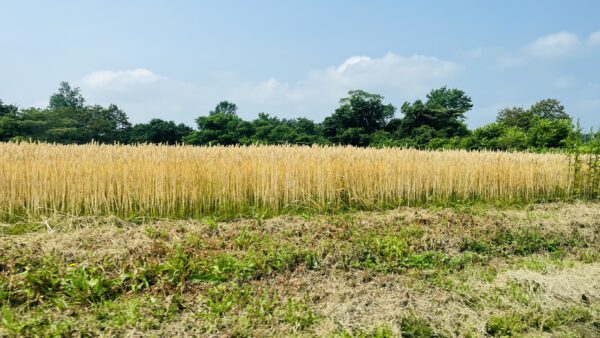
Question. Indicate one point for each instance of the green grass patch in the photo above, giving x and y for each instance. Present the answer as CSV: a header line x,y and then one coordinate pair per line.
x,y
514,323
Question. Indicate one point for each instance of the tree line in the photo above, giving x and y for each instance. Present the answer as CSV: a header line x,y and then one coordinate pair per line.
x,y
362,119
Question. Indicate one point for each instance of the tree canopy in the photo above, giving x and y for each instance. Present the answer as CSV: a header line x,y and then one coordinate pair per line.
x,y
67,97
443,113
358,117
361,119
226,108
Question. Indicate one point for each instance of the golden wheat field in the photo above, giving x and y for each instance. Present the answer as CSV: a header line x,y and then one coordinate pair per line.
x,y
190,181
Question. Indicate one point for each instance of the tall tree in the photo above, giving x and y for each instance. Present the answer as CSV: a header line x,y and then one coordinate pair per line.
x,y
225,107
106,125
67,97
8,109
359,115
548,133
159,131
550,109
515,117
219,127
8,121
443,111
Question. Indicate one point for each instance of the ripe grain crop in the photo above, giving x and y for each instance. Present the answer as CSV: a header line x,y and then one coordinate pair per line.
x,y
186,181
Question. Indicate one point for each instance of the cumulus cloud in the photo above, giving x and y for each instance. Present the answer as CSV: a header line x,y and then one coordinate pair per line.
x,y
353,60
390,70
145,94
405,75
594,39
107,78
552,47
556,45
142,93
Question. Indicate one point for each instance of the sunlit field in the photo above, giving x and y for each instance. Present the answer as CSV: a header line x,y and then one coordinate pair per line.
x,y
150,240
186,181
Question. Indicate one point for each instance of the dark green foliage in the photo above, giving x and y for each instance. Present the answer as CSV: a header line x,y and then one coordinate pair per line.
x,y
8,123
159,131
75,125
66,120
66,97
271,130
7,109
105,125
515,117
437,122
220,128
545,125
550,109
441,115
225,107
550,133
359,116
498,136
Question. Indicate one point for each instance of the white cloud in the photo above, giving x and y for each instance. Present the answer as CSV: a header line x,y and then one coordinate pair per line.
x,y
594,39
390,70
106,78
556,45
353,60
405,75
144,94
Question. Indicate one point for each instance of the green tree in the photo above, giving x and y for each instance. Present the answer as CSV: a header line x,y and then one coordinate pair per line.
x,y
424,134
547,133
224,128
550,109
272,130
359,115
515,117
225,107
159,131
105,125
513,138
8,109
44,125
68,120
8,121
486,137
520,117
443,111
544,125
307,131
382,138
67,97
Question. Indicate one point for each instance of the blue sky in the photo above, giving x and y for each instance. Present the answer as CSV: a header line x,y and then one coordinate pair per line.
x,y
177,59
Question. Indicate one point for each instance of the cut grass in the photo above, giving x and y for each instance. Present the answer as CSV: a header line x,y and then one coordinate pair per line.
x,y
409,272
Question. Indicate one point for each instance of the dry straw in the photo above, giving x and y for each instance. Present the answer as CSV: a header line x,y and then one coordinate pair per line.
x,y
186,181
